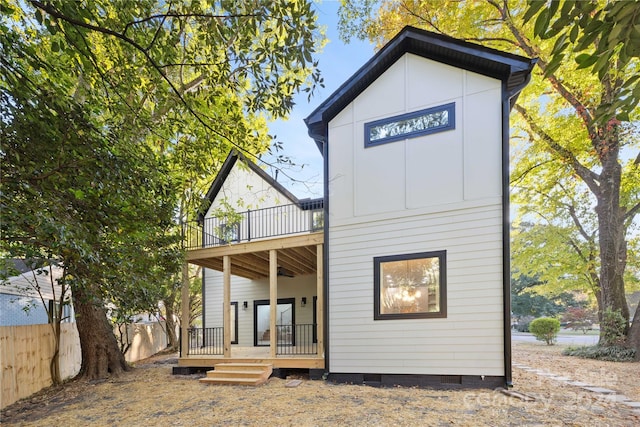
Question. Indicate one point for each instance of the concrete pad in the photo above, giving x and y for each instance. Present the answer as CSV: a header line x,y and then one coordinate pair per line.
x,y
618,398
600,390
579,384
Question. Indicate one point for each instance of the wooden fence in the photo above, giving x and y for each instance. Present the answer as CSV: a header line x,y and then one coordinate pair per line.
x,y
25,353
146,340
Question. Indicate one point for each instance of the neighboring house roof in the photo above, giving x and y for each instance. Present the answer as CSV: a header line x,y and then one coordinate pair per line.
x,y
226,169
512,69
28,281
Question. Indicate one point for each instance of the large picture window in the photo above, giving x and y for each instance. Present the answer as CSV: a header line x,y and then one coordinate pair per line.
x,y
410,125
410,286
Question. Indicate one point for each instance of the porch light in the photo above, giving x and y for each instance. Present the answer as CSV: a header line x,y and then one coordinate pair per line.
x,y
245,305
303,302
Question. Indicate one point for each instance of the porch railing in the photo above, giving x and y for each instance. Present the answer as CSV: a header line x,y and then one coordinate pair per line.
x,y
206,341
296,339
253,224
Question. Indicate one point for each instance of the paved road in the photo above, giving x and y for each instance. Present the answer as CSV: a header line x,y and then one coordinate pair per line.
x,y
562,339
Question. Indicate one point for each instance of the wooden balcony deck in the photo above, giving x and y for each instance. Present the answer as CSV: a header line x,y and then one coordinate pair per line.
x,y
296,254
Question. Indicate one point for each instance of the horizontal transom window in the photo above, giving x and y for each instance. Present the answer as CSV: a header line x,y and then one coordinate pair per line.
x,y
410,125
410,286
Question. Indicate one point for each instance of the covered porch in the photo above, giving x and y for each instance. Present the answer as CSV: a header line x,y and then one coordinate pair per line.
x,y
294,345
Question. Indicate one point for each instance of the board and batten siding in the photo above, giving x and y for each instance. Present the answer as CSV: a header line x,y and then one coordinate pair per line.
x,y
244,189
440,191
250,290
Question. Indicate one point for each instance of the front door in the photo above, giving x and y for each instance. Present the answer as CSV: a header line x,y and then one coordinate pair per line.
x,y
285,320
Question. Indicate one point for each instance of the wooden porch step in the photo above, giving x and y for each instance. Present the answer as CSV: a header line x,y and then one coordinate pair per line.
x,y
235,374
238,374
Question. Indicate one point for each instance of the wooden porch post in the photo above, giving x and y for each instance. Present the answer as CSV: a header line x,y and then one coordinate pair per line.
x,y
226,310
320,299
273,300
184,316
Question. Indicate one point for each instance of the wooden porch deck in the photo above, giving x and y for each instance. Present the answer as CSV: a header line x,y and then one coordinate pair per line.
x,y
254,355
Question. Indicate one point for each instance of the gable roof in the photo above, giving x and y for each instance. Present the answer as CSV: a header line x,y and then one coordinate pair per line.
x,y
226,169
512,69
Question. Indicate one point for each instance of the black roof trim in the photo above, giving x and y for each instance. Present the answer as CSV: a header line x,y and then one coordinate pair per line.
x,y
513,69
225,170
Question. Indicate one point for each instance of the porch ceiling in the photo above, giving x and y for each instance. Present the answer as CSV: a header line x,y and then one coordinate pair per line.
x,y
296,256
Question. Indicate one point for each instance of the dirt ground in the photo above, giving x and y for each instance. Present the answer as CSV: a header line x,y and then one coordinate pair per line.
x,y
149,396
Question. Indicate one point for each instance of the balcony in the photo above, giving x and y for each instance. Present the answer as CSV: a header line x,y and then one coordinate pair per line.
x,y
252,225
286,240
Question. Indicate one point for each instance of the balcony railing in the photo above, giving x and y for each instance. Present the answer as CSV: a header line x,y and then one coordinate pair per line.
x,y
253,225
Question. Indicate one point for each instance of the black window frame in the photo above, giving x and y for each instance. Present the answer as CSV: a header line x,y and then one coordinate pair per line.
x,y
451,124
234,339
260,302
442,260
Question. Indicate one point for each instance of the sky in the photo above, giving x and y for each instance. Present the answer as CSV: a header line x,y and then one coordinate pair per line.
x,y
337,62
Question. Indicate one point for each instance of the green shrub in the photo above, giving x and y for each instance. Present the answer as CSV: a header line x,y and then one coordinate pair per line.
x,y
545,329
612,353
613,327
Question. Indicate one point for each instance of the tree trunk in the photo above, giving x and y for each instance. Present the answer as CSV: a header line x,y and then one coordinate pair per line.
x,y
101,357
172,338
54,365
633,338
611,233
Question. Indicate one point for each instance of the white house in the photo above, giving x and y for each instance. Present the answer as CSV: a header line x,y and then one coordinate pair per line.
x,y
400,274
29,297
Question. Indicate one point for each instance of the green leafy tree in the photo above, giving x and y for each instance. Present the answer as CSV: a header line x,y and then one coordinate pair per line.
x,y
575,268
114,114
526,301
600,33
99,207
572,125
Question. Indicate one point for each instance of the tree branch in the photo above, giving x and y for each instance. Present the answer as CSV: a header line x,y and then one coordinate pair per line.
x,y
418,17
632,212
51,10
528,48
164,16
157,32
578,224
87,52
55,13
588,176
577,249
519,178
